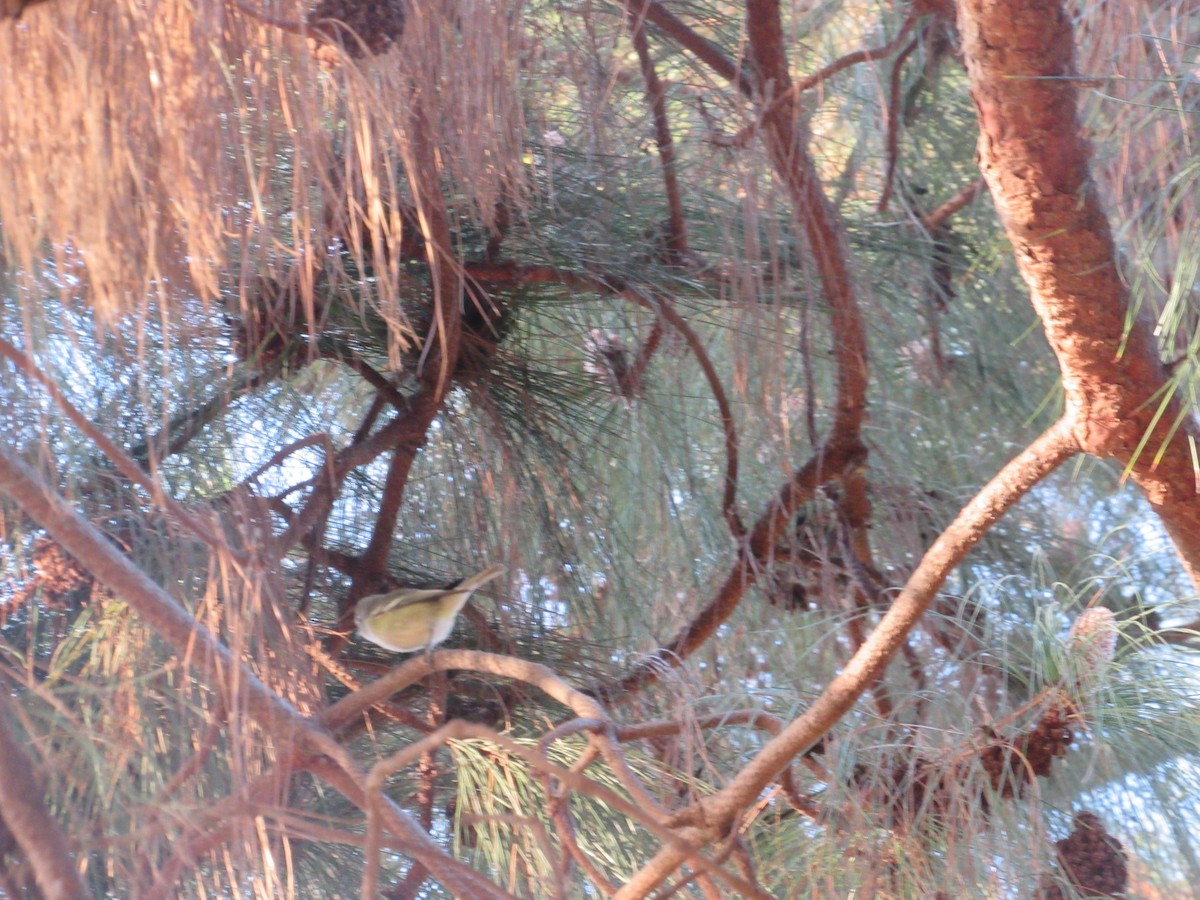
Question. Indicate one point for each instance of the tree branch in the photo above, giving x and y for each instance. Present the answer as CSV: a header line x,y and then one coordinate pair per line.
x,y
115,454
614,284
937,218
1035,156
812,212
656,97
24,814
209,658
701,47
715,813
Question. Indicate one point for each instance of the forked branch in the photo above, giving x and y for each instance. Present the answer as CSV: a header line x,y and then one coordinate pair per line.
x,y
715,814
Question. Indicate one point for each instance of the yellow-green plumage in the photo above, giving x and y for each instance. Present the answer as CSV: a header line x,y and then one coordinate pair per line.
x,y
409,619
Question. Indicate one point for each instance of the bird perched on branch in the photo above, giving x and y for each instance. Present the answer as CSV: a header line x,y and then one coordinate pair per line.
x,y
416,618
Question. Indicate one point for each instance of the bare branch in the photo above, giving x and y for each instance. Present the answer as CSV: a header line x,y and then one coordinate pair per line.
x,y
117,456
702,48
208,657
715,813
1035,157
185,426
656,97
25,815
937,218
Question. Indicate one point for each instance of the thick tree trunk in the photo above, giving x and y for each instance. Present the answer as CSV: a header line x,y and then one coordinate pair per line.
x,y
1020,57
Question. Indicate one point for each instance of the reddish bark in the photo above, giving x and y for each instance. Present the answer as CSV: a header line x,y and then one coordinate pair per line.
x,y
1035,157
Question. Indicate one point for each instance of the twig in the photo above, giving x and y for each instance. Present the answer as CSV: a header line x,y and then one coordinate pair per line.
x,y
614,284
460,730
182,428
722,855
208,657
676,237
325,491
467,883
936,219
637,371
208,742
321,438
426,783
758,719
893,124
1015,479
560,812
813,214
809,82
854,520
117,456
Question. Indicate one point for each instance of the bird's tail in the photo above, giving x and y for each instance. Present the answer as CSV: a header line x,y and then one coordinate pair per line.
x,y
478,581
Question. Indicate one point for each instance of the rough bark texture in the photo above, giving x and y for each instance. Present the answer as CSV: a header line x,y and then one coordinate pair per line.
x,y
1036,162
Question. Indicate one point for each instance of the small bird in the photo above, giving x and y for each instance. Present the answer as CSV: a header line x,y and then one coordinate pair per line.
x,y
413,618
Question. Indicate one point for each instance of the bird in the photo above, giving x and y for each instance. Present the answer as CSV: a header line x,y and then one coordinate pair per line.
x,y
408,619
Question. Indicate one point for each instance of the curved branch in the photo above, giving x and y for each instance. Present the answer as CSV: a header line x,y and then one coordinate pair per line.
x,y
560,813
460,730
1035,157
586,708
23,812
754,553
656,97
893,123
1045,454
714,814
208,657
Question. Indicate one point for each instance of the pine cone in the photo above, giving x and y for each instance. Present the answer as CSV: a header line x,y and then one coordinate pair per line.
x,y
359,26
1093,859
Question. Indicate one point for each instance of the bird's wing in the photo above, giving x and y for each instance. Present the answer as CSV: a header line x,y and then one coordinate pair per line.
x,y
379,603
408,597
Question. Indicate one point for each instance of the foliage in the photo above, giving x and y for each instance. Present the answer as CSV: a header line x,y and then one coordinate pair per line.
x,y
364,313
